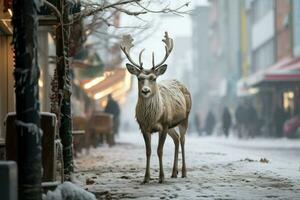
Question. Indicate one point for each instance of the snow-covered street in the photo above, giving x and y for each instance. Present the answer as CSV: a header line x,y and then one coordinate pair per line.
x,y
217,168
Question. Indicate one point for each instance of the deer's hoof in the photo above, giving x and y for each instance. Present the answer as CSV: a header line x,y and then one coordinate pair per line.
x,y
161,180
146,180
174,175
183,173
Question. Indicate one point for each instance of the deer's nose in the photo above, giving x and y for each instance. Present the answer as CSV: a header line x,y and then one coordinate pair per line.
x,y
145,90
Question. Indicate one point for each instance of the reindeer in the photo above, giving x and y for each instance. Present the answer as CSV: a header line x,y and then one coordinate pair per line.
x,y
160,107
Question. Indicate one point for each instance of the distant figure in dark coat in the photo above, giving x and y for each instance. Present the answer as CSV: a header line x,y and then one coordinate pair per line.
x,y
226,121
240,118
251,120
198,123
279,117
113,108
210,123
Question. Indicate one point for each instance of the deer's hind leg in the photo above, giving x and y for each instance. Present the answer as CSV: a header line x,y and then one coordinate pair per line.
x,y
174,135
182,129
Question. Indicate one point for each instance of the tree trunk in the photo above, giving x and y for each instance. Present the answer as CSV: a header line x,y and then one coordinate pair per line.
x,y
64,85
27,105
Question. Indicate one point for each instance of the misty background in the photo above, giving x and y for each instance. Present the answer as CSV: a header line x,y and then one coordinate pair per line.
x,y
228,53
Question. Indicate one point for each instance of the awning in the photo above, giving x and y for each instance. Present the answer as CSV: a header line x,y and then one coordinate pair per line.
x,y
283,76
5,17
286,71
113,81
87,65
243,89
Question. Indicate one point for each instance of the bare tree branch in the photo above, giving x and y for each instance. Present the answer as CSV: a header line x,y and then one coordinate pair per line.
x,y
103,7
50,5
100,19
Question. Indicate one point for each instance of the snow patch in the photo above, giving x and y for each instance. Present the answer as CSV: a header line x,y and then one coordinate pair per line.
x,y
69,191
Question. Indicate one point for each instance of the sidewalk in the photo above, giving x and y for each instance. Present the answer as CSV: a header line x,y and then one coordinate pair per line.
x,y
218,168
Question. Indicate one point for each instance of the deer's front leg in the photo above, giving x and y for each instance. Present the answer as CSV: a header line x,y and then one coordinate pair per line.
x,y
147,138
161,142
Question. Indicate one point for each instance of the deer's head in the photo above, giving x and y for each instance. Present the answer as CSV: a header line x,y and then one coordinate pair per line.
x,y
146,77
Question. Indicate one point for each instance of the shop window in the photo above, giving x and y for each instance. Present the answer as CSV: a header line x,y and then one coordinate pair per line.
x,y
288,102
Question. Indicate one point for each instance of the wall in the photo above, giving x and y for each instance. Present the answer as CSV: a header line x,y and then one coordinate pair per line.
x,y
265,26
200,54
283,29
6,80
296,27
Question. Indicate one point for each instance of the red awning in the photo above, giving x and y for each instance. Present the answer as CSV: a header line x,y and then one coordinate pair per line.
x,y
283,77
284,71
288,72
293,65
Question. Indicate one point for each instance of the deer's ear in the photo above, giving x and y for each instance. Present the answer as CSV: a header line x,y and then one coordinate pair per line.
x,y
132,69
161,70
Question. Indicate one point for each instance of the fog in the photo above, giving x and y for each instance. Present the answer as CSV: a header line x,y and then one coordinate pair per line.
x,y
224,54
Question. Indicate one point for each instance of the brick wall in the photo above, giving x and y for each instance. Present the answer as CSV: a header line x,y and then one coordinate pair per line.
x,y
283,29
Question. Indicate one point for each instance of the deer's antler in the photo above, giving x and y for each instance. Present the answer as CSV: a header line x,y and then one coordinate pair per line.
x,y
126,45
168,47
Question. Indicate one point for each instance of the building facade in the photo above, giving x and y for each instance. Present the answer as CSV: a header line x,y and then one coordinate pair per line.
x,y
270,56
6,66
200,51
225,54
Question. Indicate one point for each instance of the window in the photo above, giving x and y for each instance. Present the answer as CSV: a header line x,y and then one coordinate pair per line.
x,y
288,102
260,8
263,57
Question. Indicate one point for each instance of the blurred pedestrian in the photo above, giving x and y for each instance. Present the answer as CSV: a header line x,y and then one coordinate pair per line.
x,y
240,118
113,108
210,123
251,120
279,117
226,121
289,113
198,123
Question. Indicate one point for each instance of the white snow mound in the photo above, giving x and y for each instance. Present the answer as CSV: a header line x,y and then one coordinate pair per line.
x,y
69,191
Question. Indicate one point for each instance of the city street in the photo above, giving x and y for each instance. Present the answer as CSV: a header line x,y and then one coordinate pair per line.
x,y
75,73
218,168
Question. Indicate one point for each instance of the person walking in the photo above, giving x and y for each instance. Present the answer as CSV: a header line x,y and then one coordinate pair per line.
x,y
113,108
240,118
210,123
226,121
198,123
251,121
279,117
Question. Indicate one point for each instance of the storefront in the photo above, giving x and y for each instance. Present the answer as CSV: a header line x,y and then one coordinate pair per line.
x,y
278,85
6,66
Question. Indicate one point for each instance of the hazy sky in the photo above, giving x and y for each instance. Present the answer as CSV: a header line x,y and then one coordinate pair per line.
x,y
175,25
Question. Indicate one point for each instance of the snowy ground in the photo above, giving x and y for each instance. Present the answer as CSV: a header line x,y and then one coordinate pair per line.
x,y
218,168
